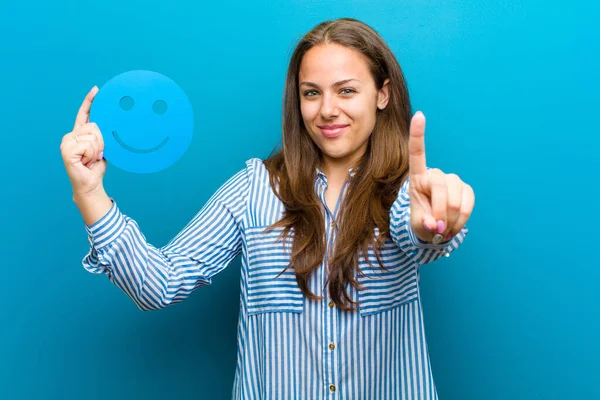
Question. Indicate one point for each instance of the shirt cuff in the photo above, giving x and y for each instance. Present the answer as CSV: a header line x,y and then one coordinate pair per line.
x,y
107,228
419,243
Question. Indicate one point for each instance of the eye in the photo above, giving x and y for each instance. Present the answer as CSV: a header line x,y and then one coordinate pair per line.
x,y
310,93
348,91
159,107
127,103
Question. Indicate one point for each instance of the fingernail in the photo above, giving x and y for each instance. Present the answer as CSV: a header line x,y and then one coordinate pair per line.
x,y
441,227
425,225
101,155
448,236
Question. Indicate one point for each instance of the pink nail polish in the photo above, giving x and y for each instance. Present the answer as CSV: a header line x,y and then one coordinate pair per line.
x,y
101,155
441,227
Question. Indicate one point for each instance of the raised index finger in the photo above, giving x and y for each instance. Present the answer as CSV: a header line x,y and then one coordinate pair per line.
x,y
416,145
83,114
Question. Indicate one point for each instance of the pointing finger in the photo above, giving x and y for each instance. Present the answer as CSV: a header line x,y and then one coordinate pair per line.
x,y
83,114
416,145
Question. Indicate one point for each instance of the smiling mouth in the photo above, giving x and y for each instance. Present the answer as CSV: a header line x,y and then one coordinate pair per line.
x,y
139,151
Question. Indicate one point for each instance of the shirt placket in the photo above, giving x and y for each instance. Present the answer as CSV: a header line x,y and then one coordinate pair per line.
x,y
331,355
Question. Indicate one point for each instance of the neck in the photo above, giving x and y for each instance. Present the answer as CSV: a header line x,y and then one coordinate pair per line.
x,y
336,170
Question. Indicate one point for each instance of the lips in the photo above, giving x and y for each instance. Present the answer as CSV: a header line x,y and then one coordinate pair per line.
x,y
332,131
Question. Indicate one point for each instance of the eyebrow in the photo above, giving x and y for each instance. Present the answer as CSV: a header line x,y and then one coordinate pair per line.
x,y
339,83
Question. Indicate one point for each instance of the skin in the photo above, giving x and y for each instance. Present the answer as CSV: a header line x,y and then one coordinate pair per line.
x,y
336,87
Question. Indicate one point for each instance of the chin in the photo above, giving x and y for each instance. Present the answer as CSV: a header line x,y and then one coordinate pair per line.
x,y
336,154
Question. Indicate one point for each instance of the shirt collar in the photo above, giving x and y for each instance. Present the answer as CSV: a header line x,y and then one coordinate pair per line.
x,y
321,174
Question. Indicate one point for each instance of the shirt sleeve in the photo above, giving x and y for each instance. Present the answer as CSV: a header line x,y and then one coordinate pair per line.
x,y
402,234
157,277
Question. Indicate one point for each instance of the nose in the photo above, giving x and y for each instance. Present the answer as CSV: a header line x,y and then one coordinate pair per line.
x,y
329,107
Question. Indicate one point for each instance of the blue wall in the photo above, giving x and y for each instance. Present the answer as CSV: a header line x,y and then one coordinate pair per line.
x,y
511,93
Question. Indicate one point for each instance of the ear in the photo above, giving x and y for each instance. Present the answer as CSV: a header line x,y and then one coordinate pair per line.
x,y
383,96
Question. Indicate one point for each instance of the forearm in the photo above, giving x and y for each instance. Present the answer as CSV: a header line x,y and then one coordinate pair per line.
x,y
156,277
152,277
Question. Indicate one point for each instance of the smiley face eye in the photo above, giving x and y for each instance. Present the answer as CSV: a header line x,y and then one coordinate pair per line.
x,y
127,103
159,107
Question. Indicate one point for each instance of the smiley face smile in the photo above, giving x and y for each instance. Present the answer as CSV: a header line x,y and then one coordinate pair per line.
x,y
139,151
147,118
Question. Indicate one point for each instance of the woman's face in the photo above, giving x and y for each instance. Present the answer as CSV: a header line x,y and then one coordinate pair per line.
x,y
338,101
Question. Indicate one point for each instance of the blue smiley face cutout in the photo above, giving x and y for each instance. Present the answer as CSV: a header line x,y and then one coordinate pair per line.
x,y
146,121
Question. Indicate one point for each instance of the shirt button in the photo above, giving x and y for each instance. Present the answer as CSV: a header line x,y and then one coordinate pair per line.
x,y
331,346
331,304
332,388
332,224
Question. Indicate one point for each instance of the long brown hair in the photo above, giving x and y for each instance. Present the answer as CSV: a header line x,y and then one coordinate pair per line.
x,y
378,176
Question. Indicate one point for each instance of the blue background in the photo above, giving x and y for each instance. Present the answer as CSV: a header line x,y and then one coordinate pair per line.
x,y
510,90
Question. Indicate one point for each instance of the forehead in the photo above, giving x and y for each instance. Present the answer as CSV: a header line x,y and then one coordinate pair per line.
x,y
327,63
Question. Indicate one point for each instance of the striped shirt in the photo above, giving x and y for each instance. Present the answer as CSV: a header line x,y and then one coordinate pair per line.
x,y
289,347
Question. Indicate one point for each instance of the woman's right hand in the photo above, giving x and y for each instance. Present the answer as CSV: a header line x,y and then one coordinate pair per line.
x,y
82,151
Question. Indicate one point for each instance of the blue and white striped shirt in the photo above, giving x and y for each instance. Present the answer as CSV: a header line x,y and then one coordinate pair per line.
x,y
289,347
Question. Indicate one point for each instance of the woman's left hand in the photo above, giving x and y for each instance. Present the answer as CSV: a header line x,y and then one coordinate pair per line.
x,y
440,203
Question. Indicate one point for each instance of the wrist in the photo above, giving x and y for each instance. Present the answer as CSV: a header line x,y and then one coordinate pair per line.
x,y
92,205
90,196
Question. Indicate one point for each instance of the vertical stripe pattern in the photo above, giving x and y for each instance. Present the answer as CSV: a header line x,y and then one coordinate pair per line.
x,y
289,347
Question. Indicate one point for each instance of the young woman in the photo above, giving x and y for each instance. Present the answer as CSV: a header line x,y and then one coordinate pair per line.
x,y
330,231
